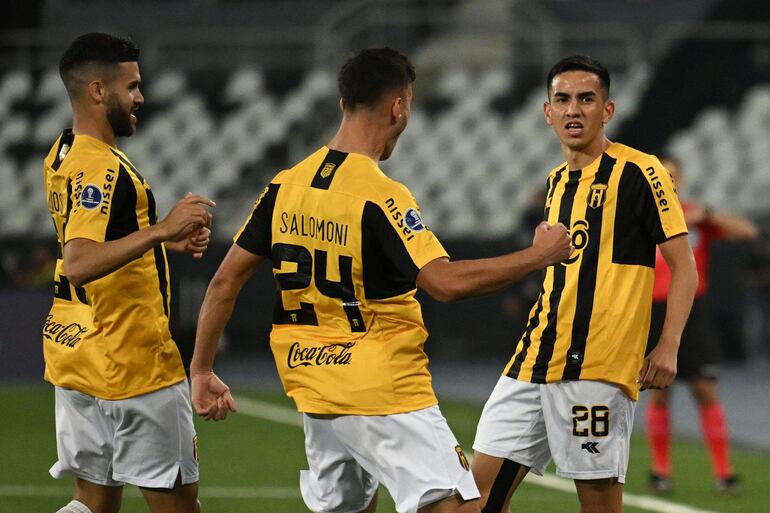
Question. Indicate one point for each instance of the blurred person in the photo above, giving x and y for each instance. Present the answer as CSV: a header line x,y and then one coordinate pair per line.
x,y
37,269
699,353
570,389
123,411
349,249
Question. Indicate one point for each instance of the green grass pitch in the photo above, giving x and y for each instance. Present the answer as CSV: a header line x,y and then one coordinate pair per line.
x,y
252,465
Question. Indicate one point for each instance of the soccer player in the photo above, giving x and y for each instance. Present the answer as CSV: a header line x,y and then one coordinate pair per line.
x,y
349,248
699,352
123,411
569,391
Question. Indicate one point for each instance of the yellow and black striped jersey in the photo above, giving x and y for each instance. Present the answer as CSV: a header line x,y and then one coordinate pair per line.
x,y
109,338
346,244
592,316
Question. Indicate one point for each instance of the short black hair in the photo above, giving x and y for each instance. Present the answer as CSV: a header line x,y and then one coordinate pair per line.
x,y
580,63
94,49
370,73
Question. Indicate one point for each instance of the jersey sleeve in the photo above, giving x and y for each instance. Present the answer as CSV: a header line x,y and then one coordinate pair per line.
x,y
658,204
99,191
255,236
403,236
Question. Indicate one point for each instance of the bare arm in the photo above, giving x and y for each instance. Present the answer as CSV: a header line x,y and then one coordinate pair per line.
x,y
210,396
449,281
86,260
659,367
732,227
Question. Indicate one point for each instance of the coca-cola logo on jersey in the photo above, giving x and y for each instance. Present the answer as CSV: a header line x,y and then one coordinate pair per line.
x,y
65,334
332,354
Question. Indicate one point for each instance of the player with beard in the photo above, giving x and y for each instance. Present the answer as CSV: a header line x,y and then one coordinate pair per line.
x,y
122,402
349,249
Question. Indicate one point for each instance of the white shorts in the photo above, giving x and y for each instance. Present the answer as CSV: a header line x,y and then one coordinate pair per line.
x,y
415,455
146,440
585,426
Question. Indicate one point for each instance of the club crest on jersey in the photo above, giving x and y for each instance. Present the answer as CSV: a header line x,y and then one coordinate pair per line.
x,y
91,197
413,220
597,195
327,169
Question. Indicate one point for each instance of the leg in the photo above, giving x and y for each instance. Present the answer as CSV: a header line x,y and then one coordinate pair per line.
x,y
714,427
600,495
497,479
452,504
659,438
179,499
98,498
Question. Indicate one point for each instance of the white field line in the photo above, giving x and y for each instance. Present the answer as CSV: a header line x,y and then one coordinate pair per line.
x,y
280,414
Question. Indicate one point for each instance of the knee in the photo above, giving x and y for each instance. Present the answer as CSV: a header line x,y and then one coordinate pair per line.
x,y
198,507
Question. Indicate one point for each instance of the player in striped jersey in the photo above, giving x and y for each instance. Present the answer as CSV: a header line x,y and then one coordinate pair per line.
x,y
569,391
349,249
122,401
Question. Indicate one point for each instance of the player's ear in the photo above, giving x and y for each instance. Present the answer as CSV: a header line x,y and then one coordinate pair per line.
x,y
609,111
547,113
397,107
96,91
342,105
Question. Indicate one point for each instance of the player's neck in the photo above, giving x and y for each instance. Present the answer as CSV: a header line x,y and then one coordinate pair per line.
x,y
359,134
94,127
580,158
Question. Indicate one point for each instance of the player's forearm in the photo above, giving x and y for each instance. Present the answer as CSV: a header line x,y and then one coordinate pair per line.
x,y
86,260
469,278
215,313
681,291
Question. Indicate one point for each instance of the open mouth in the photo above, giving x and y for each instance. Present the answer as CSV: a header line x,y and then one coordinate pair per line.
x,y
574,128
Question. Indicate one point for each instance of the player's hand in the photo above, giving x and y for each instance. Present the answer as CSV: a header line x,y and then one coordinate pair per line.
x,y
188,216
553,243
195,243
211,398
659,367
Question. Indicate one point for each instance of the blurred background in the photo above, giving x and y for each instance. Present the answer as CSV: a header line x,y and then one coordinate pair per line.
x,y
237,90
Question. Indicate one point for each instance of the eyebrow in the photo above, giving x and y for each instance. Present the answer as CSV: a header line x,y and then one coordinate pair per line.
x,y
581,94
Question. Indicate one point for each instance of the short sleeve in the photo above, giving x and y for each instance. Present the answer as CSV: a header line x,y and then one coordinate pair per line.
x,y
403,235
255,235
657,204
103,200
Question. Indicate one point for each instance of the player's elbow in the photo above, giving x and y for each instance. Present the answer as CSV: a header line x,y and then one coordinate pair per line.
x,y
75,274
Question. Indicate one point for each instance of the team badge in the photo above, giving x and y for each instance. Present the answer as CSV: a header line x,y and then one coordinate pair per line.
x,y
91,197
597,195
461,456
327,169
413,220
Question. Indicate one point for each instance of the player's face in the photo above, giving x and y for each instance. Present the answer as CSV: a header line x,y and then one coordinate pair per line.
x,y
123,99
577,109
404,111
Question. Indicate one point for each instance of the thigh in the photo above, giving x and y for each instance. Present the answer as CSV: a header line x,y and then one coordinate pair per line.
x,y
334,481
84,438
589,429
415,455
512,425
155,439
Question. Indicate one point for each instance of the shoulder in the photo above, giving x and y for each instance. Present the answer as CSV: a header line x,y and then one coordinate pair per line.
x,y
84,157
634,158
